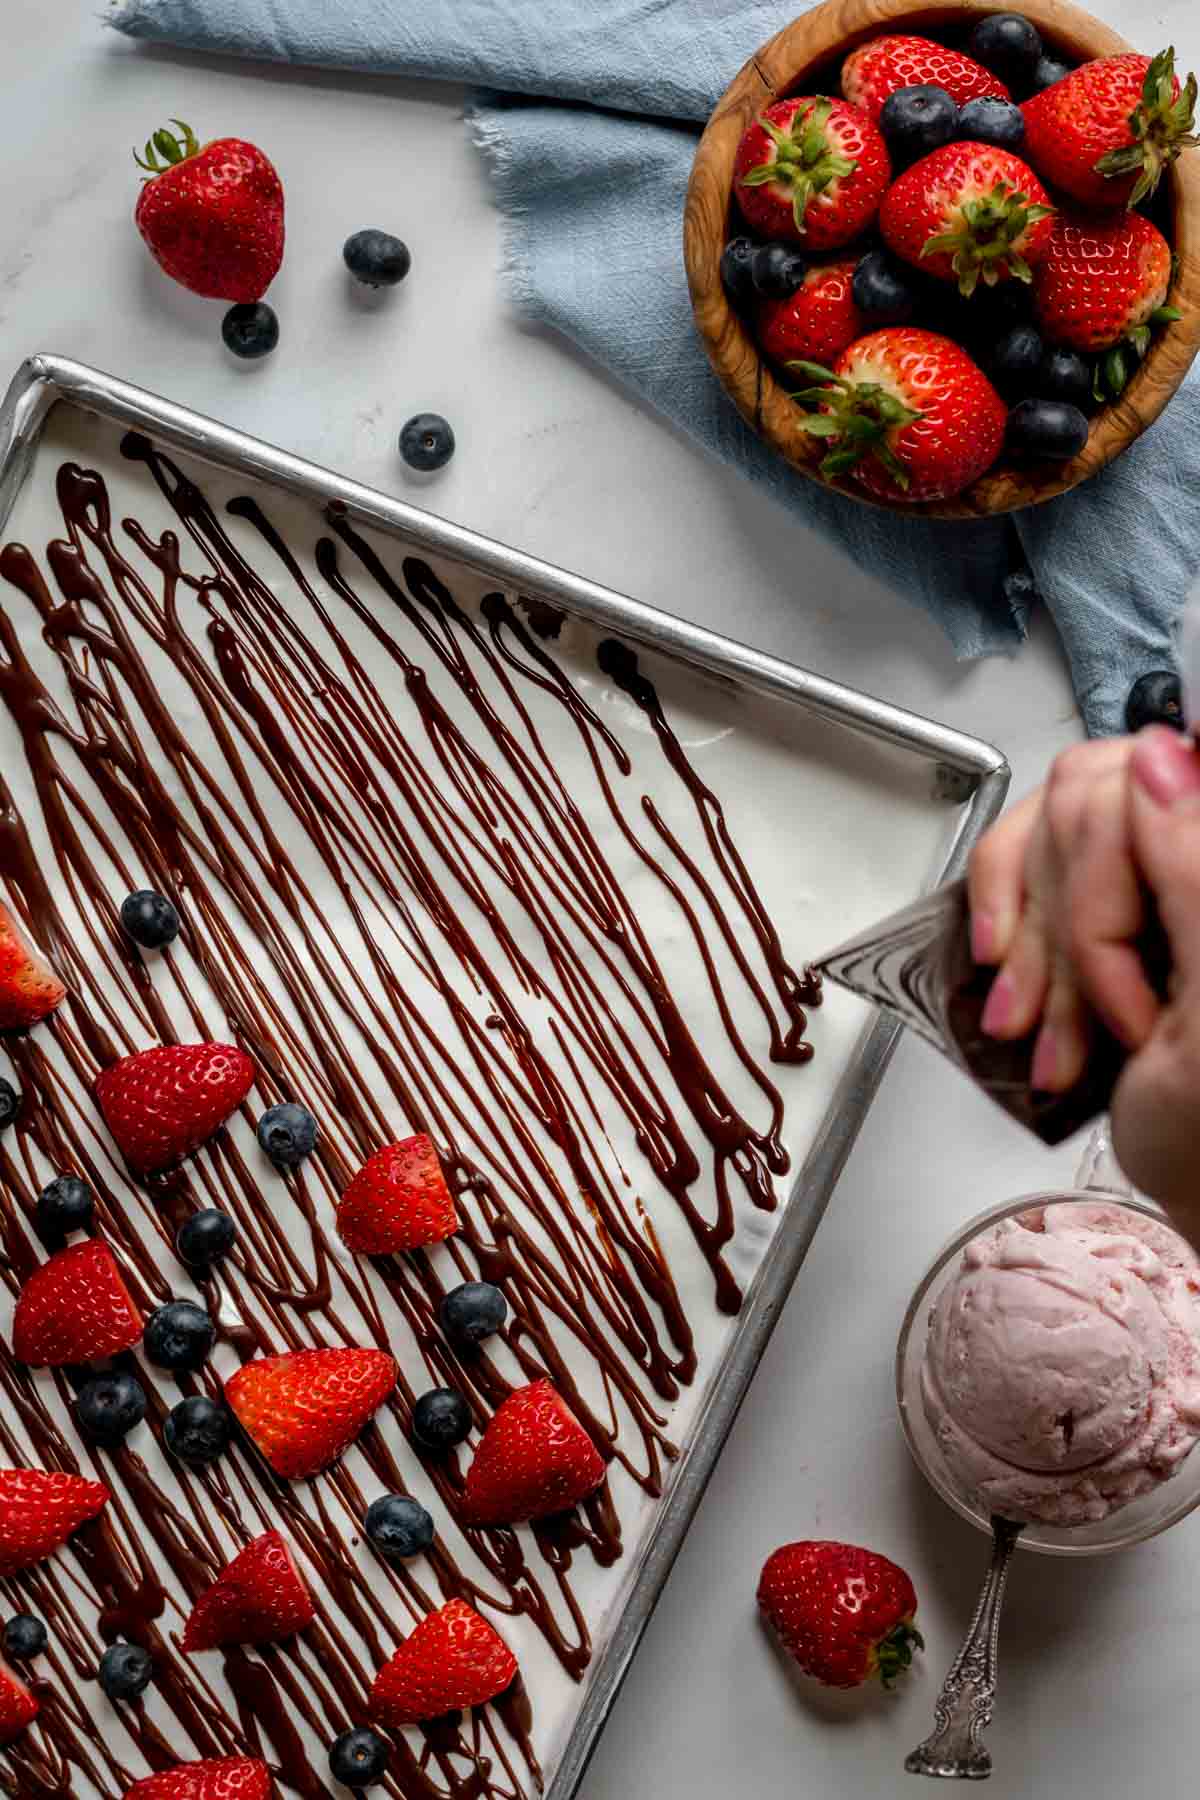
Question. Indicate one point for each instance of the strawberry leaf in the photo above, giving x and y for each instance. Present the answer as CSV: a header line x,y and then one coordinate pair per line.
x,y
818,425
761,174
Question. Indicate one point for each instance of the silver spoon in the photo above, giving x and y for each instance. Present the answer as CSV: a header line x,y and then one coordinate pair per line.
x,y
954,1749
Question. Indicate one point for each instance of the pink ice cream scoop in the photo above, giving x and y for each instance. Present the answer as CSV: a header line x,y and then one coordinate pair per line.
x,y
1062,1369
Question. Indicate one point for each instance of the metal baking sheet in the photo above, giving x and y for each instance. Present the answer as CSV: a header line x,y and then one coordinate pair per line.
x,y
844,806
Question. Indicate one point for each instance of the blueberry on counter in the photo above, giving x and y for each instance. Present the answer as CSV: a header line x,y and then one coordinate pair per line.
x,y
473,1312
64,1205
250,330
10,1103
1007,44
736,260
1049,70
359,1758
880,289
198,1430
376,258
777,271
1065,375
288,1134
917,120
1155,699
109,1406
1047,430
1015,361
125,1671
441,1419
205,1238
990,120
149,919
427,442
24,1637
179,1336
398,1526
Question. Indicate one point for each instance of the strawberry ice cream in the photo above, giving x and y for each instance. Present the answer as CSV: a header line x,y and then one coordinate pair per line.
x,y
1062,1370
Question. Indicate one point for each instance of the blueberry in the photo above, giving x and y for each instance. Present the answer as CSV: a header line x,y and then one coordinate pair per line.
x,y
1049,430
1020,590
990,120
473,1312
288,1134
1065,375
109,1406
10,1103
1155,699
150,919
916,120
1008,45
1015,361
178,1335
25,1637
205,1238
881,289
198,1430
736,260
427,442
125,1671
376,258
1049,70
776,271
398,1527
65,1204
441,1419
250,330
359,1758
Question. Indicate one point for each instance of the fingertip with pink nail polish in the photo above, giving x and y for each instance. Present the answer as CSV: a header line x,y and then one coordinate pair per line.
x,y
998,1010
983,937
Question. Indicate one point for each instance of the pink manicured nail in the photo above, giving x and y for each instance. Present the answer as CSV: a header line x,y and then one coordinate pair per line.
x,y
998,1010
1045,1061
983,937
1166,766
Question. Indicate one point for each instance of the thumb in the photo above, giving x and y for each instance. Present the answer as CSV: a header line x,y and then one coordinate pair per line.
x,y
1165,828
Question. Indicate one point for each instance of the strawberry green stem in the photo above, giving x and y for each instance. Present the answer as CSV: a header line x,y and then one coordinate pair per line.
x,y
804,162
858,414
172,149
1161,125
1116,366
983,245
895,1653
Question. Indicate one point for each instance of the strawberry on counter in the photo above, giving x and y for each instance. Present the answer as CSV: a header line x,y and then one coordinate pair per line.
x,y
842,1613
211,216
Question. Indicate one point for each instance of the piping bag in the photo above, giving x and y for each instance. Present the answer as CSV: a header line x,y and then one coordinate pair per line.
x,y
918,966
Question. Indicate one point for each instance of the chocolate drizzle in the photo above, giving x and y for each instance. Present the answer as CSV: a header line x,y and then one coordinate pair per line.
x,y
383,873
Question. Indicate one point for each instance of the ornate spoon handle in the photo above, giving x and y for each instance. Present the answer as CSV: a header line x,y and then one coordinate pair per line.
x,y
954,1748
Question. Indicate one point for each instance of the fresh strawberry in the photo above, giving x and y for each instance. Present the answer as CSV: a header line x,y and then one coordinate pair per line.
x,y
452,1659
878,69
212,217
75,1309
29,988
18,1708
818,321
303,1408
39,1509
812,170
907,413
398,1200
1105,134
256,1599
219,1778
1102,286
534,1459
843,1613
968,213
163,1103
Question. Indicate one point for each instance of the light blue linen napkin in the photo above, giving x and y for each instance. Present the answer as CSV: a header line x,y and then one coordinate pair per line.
x,y
589,171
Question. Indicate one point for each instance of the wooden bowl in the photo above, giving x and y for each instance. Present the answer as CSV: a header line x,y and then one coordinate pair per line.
x,y
812,47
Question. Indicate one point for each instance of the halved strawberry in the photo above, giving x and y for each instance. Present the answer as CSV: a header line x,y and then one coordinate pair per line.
x,y
256,1599
534,1459
75,1309
452,1659
39,1509
163,1103
398,1200
217,1778
29,988
18,1708
303,1408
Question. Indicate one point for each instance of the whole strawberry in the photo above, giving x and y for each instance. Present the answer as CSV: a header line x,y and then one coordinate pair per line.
x,y
29,988
968,213
844,1614
534,1459
39,1509
812,170
452,1659
1105,134
217,1778
818,321
878,69
258,1598
1101,286
75,1308
398,1200
161,1104
304,1407
906,413
211,216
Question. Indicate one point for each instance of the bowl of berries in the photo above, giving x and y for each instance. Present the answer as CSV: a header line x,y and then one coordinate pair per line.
x,y
946,259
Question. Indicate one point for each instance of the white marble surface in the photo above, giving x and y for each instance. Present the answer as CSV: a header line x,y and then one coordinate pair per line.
x,y
1098,1680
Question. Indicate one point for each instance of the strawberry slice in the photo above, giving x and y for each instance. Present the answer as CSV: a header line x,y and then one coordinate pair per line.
x,y
534,1459
218,1778
453,1659
29,988
75,1309
303,1408
256,1599
18,1708
398,1200
39,1509
162,1104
